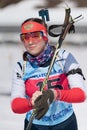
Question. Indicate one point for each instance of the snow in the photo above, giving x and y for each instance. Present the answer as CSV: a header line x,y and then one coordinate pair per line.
x,y
9,54
15,14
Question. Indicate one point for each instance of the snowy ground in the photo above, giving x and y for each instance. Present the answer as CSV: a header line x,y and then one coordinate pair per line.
x,y
9,54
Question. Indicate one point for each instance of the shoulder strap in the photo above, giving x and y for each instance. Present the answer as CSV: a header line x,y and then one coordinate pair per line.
x,y
19,65
74,71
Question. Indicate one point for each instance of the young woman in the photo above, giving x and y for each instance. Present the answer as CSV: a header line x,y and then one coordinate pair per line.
x,y
65,85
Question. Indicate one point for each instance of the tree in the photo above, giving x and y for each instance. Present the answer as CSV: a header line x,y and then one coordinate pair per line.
x,y
5,3
49,3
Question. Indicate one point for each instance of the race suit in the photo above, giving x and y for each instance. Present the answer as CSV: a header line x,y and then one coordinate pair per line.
x,y
58,111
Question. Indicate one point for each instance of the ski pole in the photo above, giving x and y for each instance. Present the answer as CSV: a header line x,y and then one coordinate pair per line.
x,y
67,25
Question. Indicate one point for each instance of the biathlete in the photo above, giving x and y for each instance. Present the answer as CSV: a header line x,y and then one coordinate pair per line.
x,y
54,110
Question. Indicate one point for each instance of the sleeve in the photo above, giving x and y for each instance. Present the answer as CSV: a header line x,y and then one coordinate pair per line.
x,y
18,89
19,102
76,79
76,92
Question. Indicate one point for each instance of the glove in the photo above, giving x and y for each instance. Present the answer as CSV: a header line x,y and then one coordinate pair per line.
x,y
43,102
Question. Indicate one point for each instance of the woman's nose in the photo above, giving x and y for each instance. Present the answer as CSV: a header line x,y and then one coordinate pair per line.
x,y
30,40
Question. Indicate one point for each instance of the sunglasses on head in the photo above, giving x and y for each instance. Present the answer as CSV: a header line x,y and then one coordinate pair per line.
x,y
26,36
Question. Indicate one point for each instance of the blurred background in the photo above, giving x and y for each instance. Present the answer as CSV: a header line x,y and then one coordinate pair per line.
x,y
12,14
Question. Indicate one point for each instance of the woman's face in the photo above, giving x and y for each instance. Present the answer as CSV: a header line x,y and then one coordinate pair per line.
x,y
34,44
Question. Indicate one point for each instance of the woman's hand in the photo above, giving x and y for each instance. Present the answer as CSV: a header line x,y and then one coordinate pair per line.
x,y
35,96
42,102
